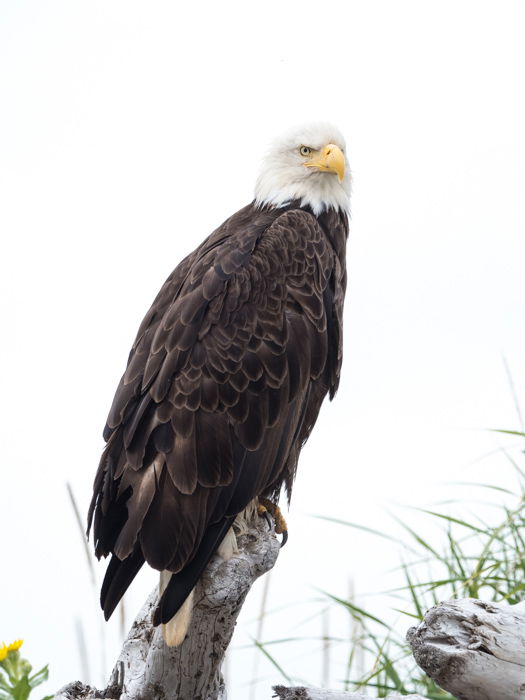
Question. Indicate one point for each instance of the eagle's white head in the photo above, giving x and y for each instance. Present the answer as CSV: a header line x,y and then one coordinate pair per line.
x,y
308,164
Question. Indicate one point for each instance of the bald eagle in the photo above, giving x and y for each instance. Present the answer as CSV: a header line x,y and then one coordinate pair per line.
x,y
226,377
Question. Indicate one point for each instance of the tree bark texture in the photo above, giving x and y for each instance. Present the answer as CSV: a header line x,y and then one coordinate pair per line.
x,y
473,649
300,693
147,669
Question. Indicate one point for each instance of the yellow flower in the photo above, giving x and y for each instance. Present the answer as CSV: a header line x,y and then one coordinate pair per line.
x,y
6,648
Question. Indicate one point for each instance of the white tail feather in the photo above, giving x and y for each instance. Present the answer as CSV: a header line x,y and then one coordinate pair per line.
x,y
174,631
228,546
164,580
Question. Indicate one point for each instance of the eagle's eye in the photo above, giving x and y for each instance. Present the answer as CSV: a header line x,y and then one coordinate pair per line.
x,y
305,151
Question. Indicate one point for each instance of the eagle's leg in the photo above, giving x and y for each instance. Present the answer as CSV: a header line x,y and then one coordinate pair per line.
x,y
281,528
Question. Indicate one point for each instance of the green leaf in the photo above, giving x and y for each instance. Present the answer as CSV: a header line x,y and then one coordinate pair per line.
x,y
354,610
39,677
370,530
270,658
3,683
408,614
450,519
418,539
507,432
21,689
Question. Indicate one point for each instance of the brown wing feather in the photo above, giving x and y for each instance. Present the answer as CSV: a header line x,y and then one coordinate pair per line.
x,y
223,384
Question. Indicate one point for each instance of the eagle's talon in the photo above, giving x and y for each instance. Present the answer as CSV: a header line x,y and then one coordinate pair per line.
x,y
266,506
262,511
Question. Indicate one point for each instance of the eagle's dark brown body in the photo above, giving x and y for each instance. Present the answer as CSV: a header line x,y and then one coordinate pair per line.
x,y
223,386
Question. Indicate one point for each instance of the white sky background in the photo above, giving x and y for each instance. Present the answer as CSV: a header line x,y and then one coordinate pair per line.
x,y
128,131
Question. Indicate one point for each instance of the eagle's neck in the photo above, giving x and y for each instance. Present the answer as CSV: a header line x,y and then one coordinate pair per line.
x,y
318,191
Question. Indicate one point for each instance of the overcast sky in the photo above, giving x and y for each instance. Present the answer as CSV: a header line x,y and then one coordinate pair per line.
x,y
128,131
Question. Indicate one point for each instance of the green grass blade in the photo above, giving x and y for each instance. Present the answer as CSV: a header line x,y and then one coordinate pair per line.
x,y
272,660
354,610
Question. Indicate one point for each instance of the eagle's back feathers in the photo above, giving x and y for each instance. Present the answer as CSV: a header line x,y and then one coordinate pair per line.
x,y
222,388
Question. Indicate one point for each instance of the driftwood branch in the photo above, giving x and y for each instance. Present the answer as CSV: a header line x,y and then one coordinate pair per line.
x,y
473,649
300,693
149,670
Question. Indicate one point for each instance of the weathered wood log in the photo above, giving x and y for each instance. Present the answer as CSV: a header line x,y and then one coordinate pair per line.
x,y
301,693
147,669
473,649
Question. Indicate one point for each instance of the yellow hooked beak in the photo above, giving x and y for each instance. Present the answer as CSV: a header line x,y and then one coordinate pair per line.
x,y
329,159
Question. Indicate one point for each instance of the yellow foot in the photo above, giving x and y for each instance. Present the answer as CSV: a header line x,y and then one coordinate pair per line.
x,y
266,506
